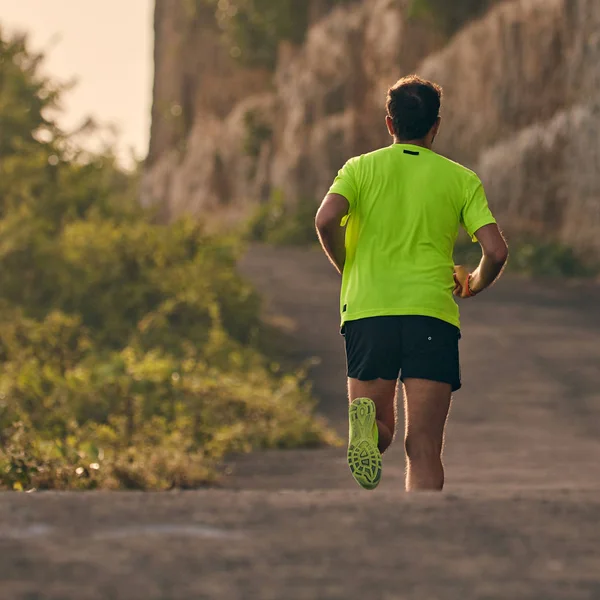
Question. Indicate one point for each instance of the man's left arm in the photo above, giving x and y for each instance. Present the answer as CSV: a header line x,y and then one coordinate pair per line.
x,y
331,234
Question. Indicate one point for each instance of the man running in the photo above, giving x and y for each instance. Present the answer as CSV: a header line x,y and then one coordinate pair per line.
x,y
389,225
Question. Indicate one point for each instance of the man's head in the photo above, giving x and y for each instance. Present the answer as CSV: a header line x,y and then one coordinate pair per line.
x,y
413,107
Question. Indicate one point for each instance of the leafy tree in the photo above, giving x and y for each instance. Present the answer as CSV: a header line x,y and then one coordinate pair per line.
x,y
25,96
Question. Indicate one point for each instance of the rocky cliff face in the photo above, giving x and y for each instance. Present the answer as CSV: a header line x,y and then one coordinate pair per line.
x,y
224,138
522,107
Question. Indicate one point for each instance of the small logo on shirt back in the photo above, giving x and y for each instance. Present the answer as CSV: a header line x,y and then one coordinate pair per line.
x,y
345,308
411,152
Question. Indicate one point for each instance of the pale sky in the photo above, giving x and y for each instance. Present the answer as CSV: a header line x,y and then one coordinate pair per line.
x,y
107,46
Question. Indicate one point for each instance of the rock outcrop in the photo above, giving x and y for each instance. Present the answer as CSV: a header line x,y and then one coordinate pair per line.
x,y
522,107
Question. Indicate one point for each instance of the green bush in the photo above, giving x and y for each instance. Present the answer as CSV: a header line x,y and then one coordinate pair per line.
x,y
126,347
279,223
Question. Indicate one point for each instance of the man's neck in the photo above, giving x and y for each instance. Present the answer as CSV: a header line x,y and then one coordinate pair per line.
x,y
421,143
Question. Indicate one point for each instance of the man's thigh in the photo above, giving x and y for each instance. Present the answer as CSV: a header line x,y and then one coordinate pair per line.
x,y
373,348
430,351
373,354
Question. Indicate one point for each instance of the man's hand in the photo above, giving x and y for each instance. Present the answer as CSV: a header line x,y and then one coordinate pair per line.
x,y
461,279
495,253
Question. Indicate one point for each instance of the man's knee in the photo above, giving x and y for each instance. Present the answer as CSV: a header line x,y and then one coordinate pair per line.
x,y
422,447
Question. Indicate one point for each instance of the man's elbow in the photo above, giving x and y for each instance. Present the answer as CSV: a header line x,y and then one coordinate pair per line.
x,y
499,255
323,222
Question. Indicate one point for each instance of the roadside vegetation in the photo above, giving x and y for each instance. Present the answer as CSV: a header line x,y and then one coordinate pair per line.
x,y
129,350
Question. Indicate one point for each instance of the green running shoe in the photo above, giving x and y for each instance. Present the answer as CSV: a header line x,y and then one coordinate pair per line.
x,y
364,457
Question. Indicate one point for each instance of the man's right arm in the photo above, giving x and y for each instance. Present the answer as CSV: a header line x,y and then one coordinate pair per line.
x,y
480,224
495,255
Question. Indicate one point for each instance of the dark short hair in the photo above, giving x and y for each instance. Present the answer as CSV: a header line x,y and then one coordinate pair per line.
x,y
414,105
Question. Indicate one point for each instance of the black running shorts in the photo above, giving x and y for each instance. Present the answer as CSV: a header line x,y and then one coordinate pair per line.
x,y
403,347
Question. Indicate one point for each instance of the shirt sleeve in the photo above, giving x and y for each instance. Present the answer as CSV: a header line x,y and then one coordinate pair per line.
x,y
346,184
476,212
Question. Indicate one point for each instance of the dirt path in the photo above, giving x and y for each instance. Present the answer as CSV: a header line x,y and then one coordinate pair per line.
x,y
527,417
519,519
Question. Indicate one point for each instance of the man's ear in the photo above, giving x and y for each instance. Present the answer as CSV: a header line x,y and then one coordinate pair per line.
x,y
390,125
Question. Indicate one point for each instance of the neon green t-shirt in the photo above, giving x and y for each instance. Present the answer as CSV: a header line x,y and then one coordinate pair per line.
x,y
406,206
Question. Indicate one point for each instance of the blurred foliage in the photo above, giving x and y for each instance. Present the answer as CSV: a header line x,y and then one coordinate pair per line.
x,y
253,29
127,355
449,16
279,223
256,133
